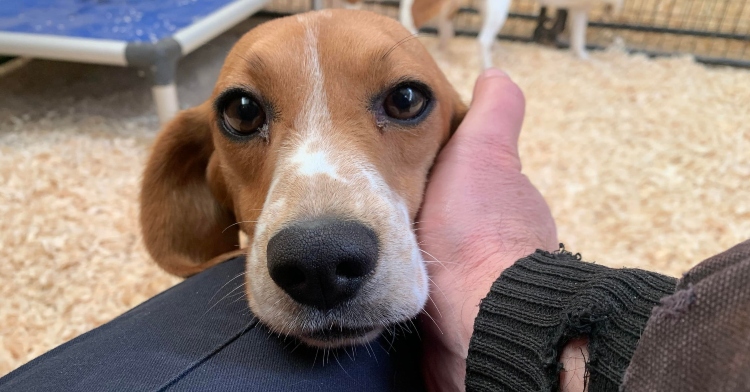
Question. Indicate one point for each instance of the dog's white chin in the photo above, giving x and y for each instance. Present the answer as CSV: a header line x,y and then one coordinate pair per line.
x,y
339,342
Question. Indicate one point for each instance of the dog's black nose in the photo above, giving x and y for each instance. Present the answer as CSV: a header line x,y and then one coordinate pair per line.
x,y
322,263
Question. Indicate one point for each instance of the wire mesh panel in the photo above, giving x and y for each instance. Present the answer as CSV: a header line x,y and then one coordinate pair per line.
x,y
714,31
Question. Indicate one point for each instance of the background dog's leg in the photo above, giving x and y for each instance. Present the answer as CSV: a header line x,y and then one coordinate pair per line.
x,y
405,15
579,19
445,25
495,15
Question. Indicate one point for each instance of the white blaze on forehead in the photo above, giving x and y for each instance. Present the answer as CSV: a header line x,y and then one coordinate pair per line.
x,y
313,162
312,156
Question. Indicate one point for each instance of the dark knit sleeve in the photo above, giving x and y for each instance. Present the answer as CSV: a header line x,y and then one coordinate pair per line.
x,y
547,299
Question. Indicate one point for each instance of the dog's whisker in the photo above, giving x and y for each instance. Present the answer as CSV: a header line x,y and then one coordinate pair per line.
x,y
237,223
232,291
222,298
393,339
438,287
367,350
435,304
286,345
347,354
340,365
240,296
225,284
399,43
383,348
316,357
374,355
416,330
433,320
434,260
294,321
296,347
442,263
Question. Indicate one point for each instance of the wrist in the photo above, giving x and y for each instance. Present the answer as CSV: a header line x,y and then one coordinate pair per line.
x,y
573,360
476,280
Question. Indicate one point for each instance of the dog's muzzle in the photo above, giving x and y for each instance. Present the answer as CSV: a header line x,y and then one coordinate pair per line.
x,y
322,263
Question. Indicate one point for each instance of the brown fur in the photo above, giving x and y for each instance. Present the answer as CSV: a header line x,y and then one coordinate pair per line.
x,y
181,219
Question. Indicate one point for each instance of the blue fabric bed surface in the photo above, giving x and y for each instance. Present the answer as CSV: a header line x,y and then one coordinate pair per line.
x,y
120,20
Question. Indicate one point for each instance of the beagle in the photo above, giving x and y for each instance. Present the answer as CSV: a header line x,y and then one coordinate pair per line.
x,y
316,142
579,10
496,13
414,14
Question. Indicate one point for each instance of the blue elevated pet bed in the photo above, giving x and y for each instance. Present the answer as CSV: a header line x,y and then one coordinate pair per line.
x,y
152,34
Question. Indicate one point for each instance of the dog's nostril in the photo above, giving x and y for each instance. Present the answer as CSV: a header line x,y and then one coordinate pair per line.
x,y
350,268
290,276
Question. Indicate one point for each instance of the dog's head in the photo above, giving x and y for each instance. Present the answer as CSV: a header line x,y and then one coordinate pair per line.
x,y
316,142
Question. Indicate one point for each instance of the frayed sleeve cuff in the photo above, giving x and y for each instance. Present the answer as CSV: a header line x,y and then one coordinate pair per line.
x,y
547,299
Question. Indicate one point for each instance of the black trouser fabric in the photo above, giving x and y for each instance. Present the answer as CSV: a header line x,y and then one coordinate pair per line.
x,y
201,336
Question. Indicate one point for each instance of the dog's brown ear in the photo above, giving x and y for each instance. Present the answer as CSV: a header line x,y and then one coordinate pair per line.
x,y
183,224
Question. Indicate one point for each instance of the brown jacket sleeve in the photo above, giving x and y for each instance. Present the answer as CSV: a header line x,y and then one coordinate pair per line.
x,y
646,331
698,339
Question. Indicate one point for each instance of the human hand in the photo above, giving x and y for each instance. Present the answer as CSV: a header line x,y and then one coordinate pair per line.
x,y
479,216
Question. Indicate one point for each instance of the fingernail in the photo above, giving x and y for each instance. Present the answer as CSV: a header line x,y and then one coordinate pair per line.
x,y
493,72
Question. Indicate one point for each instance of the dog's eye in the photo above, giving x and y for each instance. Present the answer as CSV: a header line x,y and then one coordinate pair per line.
x,y
405,102
244,115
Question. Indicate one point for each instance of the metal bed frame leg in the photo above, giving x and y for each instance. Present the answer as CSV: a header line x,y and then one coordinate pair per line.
x,y
167,104
160,60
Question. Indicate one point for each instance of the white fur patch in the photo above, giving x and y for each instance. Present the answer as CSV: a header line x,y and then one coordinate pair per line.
x,y
314,116
314,119
313,162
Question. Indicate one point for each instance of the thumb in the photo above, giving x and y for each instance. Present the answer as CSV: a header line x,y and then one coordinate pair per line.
x,y
491,127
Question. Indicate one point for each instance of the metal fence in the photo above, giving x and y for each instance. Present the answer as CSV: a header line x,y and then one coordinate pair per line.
x,y
714,31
